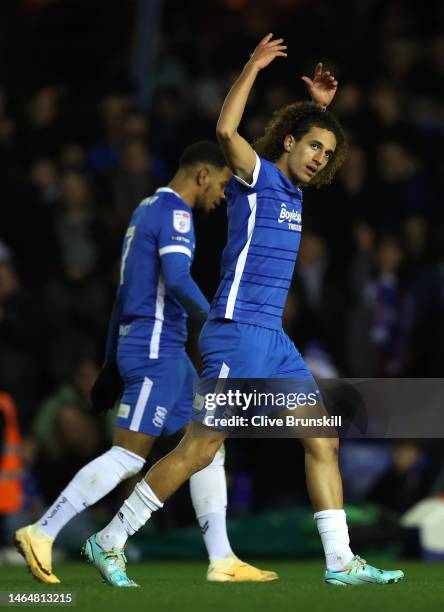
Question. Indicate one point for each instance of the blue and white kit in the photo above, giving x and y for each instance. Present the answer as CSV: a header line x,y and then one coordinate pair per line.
x,y
148,329
243,337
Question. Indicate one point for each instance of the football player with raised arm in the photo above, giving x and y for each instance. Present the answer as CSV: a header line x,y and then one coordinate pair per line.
x,y
243,338
146,350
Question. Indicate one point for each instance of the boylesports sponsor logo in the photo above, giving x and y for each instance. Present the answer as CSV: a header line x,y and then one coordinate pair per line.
x,y
292,217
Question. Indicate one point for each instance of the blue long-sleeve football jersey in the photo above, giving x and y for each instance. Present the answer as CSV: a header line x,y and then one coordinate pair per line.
x,y
156,291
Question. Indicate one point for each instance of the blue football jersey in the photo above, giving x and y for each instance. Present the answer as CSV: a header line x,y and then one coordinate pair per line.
x,y
151,318
264,233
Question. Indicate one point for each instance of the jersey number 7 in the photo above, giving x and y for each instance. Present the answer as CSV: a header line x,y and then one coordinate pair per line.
x,y
127,245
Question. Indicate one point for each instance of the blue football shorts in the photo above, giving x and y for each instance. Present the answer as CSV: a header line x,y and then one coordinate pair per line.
x,y
258,360
158,393
239,350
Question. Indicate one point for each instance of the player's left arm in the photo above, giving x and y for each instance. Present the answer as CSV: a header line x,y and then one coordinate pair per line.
x,y
175,241
322,87
181,285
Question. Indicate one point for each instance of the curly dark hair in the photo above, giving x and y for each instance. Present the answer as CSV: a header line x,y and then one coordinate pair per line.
x,y
297,119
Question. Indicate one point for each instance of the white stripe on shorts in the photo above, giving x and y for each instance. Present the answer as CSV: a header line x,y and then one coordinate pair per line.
x,y
224,371
142,401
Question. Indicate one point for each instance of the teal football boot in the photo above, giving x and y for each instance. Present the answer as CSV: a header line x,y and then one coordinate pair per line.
x,y
110,563
357,572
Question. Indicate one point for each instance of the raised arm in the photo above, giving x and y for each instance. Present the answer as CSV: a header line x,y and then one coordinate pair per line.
x,y
322,87
239,154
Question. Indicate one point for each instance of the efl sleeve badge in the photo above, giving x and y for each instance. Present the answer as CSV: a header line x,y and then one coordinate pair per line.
x,y
182,221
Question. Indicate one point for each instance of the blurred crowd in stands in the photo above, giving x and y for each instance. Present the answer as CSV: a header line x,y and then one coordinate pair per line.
x,y
367,298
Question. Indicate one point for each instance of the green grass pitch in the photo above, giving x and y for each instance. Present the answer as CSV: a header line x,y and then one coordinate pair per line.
x,y
181,586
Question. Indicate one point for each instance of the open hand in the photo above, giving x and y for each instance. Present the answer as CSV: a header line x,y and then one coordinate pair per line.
x,y
323,86
266,51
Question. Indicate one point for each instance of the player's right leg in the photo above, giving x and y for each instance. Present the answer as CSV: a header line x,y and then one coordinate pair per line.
x,y
105,549
95,480
145,412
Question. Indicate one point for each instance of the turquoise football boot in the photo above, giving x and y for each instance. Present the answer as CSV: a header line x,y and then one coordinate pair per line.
x,y
110,563
357,572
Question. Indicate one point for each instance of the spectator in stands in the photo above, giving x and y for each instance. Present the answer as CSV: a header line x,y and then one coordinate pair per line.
x,y
380,321
319,298
40,133
133,181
